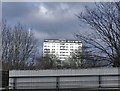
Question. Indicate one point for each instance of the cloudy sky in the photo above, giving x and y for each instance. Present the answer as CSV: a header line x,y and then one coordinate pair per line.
x,y
47,20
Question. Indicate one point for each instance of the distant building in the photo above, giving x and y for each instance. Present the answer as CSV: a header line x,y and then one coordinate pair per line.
x,y
61,48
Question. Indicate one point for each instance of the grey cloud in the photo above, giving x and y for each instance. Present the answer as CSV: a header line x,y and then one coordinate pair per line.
x,y
15,9
48,20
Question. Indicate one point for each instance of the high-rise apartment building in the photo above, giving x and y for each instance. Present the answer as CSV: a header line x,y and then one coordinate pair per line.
x,y
61,48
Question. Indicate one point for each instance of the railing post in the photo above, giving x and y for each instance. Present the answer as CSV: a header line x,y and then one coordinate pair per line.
x,y
118,81
119,77
100,81
14,83
57,83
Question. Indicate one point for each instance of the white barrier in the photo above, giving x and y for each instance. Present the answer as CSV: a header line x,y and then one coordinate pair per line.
x,y
57,79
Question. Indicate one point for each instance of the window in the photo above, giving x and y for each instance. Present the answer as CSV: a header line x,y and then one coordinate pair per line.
x,y
66,46
71,49
53,51
62,49
45,46
76,49
62,43
79,44
62,55
62,52
47,52
46,49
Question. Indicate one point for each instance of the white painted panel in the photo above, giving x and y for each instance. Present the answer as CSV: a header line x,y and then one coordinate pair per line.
x,y
75,82
10,83
110,81
95,71
79,78
42,79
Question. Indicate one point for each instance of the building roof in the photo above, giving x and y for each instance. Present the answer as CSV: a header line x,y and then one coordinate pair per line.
x,y
62,40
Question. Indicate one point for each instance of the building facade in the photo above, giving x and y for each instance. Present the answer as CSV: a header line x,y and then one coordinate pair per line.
x,y
62,49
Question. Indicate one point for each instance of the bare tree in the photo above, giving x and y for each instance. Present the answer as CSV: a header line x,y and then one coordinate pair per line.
x,y
104,19
91,59
48,61
83,59
45,62
73,61
19,46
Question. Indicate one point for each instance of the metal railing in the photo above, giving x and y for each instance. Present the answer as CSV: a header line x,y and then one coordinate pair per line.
x,y
65,82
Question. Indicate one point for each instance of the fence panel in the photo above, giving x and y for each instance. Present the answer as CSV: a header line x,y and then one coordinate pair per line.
x,y
65,82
